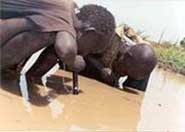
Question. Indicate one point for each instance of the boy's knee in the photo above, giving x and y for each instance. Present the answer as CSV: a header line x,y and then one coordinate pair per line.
x,y
66,53
66,47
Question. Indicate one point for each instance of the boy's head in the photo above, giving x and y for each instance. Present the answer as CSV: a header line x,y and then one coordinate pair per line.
x,y
98,26
137,61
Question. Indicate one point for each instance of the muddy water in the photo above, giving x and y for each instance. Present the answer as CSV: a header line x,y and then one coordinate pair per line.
x,y
163,107
97,107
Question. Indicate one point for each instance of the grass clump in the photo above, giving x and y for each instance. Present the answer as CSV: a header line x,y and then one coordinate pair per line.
x,y
182,43
171,57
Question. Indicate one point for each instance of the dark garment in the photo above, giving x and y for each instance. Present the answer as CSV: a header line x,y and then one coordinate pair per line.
x,y
47,15
137,84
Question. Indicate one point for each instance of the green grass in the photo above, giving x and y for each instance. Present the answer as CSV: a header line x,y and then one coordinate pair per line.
x,y
170,56
182,43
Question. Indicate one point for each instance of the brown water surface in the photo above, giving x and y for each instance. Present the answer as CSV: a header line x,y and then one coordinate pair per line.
x,y
97,107
163,107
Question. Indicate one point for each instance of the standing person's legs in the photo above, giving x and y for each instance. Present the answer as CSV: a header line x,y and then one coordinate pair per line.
x,y
23,46
11,27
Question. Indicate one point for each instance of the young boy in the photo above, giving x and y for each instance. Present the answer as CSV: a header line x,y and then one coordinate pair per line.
x,y
120,59
42,23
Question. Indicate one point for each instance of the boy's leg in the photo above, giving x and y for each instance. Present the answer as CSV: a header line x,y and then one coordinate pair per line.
x,y
11,27
66,50
66,47
44,63
23,46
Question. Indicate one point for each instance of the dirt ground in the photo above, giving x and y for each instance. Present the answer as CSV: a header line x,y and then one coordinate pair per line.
x,y
97,107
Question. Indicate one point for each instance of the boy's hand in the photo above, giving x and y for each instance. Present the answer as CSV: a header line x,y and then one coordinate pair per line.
x,y
106,74
79,64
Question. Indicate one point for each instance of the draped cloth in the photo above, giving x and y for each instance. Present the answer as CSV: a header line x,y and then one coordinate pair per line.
x,y
47,15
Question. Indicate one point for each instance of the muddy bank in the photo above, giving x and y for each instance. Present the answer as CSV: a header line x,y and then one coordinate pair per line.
x,y
170,57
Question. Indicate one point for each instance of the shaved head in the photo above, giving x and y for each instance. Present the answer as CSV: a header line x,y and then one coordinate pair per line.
x,y
139,61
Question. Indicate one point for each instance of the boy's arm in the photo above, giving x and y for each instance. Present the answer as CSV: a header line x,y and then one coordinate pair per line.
x,y
111,52
66,49
105,72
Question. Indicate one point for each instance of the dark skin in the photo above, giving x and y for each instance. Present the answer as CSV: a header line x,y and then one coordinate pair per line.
x,y
12,27
21,47
44,63
137,62
125,64
49,57
64,43
13,36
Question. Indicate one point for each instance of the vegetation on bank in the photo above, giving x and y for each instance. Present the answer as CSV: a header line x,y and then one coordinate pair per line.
x,y
170,57
182,43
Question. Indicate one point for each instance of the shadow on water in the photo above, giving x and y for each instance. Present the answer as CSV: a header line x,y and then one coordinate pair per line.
x,y
130,91
60,88
35,98
57,79
54,84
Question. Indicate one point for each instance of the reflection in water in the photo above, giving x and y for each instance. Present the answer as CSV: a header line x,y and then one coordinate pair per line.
x,y
55,106
75,128
23,82
163,107
24,87
24,91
